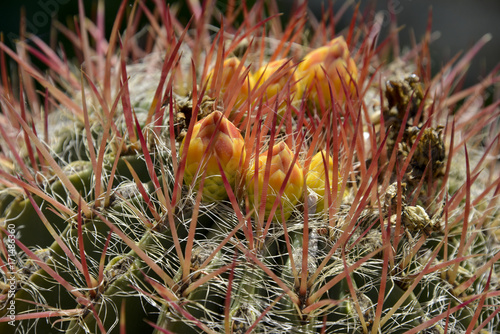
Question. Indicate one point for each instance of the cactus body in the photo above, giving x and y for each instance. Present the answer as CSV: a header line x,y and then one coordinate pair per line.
x,y
105,226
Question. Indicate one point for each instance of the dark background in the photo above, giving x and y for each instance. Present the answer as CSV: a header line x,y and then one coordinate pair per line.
x,y
460,23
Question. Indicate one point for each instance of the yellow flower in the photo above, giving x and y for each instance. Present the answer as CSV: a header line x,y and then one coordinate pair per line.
x,y
336,61
281,162
316,180
228,147
276,76
232,76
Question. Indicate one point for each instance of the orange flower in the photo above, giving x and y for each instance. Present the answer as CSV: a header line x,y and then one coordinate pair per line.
x,y
336,61
281,162
228,148
316,178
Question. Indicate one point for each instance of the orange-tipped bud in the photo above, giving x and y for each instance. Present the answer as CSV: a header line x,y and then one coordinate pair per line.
x,y
232,79
336,61
316,179
276,76
228,147
281,162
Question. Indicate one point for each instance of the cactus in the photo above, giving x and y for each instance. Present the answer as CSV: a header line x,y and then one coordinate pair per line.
x,y
255,180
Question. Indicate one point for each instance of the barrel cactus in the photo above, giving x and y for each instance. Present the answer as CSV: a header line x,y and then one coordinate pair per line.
x,y
168,180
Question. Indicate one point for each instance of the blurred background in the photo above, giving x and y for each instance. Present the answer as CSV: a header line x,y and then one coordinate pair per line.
x,y
460,23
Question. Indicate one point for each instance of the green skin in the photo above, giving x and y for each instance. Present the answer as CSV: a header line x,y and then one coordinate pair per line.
x,y
18,211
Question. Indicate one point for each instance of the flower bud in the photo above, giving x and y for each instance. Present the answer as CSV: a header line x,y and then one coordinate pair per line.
x,y
227,81
336,61
228,147
316,179
276,76
281,162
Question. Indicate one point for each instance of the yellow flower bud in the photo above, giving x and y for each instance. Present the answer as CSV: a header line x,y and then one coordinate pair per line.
x,y
228,147
335,59
281,162
276,76
227,81
316,178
